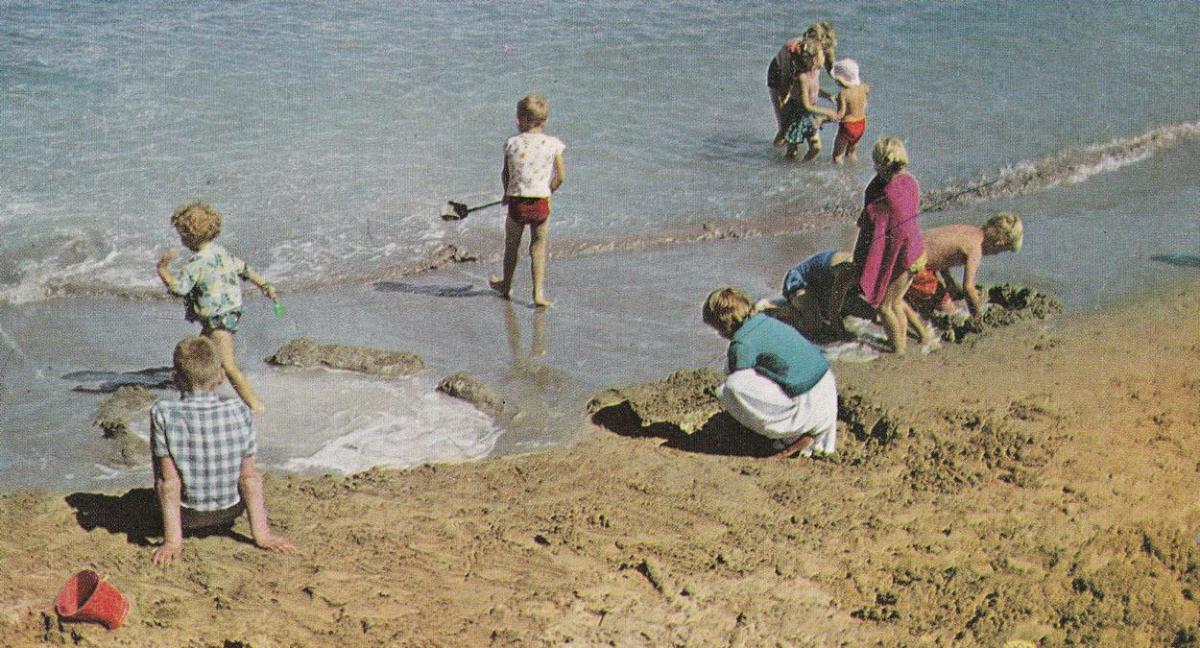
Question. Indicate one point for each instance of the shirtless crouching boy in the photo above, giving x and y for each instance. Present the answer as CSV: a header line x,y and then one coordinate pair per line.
x,y
951,246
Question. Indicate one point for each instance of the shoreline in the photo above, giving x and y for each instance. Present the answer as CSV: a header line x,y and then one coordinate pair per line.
x,y
1063,168
600,334
1038,490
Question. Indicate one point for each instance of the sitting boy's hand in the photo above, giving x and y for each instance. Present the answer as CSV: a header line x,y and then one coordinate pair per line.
x,y
275,543
167,552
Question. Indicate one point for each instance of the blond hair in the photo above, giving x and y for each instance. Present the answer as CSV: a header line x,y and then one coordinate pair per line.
x,y
822,31
197,222
809,49
197,365
534,110
726,308
889,153
1005,230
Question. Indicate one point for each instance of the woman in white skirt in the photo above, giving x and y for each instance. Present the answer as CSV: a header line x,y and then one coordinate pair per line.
x,y
779,385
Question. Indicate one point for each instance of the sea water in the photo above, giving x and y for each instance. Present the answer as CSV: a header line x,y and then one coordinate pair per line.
x,y
331,134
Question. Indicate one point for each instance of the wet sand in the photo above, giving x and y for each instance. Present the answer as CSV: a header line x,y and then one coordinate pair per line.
x,y
1036,484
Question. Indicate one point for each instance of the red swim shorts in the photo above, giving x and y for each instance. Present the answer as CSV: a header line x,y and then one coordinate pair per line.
x,y
528,211
852,131
926,291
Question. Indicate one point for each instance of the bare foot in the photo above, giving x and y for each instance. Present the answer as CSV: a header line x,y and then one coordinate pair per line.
x,y
257,408
542,302
499,286
796,447
812,153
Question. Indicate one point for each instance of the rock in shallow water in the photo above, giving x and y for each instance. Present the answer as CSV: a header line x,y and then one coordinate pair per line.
x,y
307,352
470,389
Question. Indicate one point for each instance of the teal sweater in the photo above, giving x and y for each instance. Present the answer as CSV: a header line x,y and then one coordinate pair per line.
x,y
777,351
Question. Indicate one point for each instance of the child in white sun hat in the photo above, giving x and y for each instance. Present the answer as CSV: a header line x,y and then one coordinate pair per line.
x,y
851,109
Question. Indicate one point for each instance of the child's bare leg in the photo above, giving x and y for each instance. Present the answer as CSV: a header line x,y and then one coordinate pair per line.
x,y
791,151
223,340
539,242
513,231
891,311
852,152
814,148
916,323
839,149
891,324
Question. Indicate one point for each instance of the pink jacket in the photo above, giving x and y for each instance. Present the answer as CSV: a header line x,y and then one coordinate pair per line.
x,y
890,221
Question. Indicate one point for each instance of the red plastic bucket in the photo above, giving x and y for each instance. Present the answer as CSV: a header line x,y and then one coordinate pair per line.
x,y
87,597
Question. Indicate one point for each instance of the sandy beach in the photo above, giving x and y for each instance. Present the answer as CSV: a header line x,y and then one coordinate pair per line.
x,y
1033,484
1030,484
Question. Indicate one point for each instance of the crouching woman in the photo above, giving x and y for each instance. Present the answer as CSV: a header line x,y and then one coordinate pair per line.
x,y
779,385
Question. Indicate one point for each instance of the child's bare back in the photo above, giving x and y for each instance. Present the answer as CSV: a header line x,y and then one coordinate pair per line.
x,y
852,102
851,110
962,245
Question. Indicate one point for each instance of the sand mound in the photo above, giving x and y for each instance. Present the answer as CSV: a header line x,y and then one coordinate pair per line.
x,y
113,419
680,403
1007,304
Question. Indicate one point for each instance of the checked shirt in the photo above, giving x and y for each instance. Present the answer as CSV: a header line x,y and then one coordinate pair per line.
x,y
207,437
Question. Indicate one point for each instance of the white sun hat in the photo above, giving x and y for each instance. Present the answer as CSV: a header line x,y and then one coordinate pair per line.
x,y
846,71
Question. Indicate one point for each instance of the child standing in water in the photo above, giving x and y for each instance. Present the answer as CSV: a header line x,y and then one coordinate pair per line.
x,y
533,170
783,68
801,113
851,110
890,250
211,282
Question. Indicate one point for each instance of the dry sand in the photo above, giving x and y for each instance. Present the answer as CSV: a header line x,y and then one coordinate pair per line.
x,y
1034,484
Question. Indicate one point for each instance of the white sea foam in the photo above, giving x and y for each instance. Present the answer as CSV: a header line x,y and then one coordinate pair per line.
x,y
430,428
337,421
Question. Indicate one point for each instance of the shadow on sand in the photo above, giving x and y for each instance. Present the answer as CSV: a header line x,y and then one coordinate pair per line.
x,y
720,435
107,382
460,290
134,514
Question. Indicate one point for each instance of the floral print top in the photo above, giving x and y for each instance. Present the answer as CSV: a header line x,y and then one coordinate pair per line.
x,y
211,280
530,159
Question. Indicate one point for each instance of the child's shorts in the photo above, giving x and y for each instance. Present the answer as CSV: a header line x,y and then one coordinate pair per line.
x,y
226,321
528,211
852,132
926,292
192,519
801,127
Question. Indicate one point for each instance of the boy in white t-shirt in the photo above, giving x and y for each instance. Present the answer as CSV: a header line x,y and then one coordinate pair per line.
x,y
533,170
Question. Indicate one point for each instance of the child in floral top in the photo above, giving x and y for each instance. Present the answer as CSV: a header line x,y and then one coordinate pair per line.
x,y
211,283
533,170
